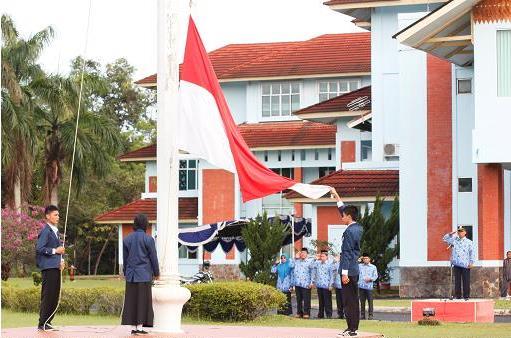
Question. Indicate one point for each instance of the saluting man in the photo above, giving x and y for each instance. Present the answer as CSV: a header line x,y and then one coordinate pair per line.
x,y
462,260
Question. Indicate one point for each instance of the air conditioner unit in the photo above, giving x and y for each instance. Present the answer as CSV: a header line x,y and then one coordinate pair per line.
x,y
391,150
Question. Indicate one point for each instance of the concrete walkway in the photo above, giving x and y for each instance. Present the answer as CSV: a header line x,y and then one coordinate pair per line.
x,y
191,331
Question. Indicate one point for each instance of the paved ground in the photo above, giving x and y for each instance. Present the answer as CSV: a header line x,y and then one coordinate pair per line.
x,y
191,331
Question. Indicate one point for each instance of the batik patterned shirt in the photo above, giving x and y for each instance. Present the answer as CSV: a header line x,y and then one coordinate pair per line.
x,y
284,284
367,271
462,254
302,273
323,276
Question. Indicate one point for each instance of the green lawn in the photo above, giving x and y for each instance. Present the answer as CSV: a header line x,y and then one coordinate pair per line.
x,y
77,283
395,330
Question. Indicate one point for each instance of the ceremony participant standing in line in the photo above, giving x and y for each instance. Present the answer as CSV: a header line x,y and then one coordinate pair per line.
x,y
350,251
302,282
323,278
284,270
368,275
462,260
506,276
338,287
140,268
49,259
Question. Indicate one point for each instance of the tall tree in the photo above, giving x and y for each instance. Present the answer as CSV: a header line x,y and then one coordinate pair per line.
x,y
379,233
98,138
19,71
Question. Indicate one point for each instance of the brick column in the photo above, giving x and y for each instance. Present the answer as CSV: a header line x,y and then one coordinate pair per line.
x,y
298,176
491,211
217,199
348,151
439,143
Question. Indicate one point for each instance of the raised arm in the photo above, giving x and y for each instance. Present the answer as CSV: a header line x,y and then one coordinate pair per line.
x,y
449,238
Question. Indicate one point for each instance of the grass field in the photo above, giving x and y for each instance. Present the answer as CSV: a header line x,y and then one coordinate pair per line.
x,y
389,329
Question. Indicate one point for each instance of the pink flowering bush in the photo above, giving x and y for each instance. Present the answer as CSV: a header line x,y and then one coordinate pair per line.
x,y
19,236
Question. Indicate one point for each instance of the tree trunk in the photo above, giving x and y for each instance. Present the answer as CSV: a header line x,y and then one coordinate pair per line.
x,y
102,250
54,195
17,194
88,267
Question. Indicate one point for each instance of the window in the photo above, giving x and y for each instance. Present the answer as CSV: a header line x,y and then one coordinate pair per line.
x,y
316,154
330,89
329,154
323,171
292,155
504,63
265,156
279,155
464,86
184,253
286,172
302,154
366,150
187,175
465,184
280,99
470,231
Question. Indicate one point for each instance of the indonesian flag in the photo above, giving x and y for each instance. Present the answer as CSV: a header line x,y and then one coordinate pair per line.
x,y
207,130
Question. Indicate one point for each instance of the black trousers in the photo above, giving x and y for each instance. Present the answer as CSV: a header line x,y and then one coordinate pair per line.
x,y
351,303
303,301
461,275
325,303
338,300
49,295
365,295
288,309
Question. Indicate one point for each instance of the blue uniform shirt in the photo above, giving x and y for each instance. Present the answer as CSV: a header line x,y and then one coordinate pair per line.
x,y
323,275
337,275
367,270
462,250
302,272
284,284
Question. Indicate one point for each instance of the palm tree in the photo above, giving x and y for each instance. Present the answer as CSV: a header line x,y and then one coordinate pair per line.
x,y
19,70
98,137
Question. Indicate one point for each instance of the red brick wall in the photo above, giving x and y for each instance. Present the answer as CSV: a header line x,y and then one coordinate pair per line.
x,y
217,199
491,211
348,151
152,184
326,215
439,143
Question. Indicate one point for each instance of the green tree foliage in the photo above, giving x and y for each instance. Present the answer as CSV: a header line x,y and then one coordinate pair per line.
x,y
263,240
379,232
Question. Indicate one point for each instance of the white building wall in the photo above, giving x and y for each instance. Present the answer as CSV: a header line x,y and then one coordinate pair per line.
x,y
413,157
236,95
492,113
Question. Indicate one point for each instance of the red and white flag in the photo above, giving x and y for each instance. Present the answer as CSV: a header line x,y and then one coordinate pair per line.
x,y
207,130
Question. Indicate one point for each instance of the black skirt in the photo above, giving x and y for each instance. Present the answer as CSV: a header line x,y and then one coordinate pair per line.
x,y
138,304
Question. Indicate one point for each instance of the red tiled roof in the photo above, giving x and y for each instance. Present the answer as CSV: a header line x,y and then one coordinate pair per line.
x,y
267,134
342,2
145,152
359,183
325,54
288,134
188,209
359,99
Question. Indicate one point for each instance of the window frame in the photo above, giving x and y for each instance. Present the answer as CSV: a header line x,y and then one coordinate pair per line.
x,y
290,93
187,169
331,94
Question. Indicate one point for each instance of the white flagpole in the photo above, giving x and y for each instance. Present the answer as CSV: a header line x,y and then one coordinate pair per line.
x,y
293,233
168,296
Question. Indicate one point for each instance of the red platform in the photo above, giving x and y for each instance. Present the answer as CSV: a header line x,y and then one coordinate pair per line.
x,y
460,311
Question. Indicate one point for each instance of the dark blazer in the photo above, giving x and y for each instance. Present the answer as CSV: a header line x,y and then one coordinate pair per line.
x,y
46,242
350,249
139,257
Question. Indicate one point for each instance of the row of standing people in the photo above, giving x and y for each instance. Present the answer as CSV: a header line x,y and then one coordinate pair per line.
x,y
303,273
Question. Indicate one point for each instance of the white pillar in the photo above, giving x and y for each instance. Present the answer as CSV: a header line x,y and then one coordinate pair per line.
x,y
168,296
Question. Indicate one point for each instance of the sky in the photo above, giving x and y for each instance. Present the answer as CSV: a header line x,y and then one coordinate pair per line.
x,y
127,28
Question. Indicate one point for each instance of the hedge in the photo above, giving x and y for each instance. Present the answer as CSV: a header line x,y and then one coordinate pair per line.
x,y
232,301
103,300
223,301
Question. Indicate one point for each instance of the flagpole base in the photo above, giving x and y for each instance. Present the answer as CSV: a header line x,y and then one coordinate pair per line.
x,y
168,300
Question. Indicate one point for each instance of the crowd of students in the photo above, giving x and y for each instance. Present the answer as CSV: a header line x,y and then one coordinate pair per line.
x,y
321,272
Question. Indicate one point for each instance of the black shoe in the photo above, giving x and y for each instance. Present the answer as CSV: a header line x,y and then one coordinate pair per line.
x,y
142,332
352,333
134,332
466,299
370,317
46,327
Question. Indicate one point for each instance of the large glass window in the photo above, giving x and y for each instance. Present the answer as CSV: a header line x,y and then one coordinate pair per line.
x,y
504,63
333,88
276,204
323,171
187,175
366,150
280,99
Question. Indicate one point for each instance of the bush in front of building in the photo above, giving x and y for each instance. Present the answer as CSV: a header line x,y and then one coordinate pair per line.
x,y
232,301
86,301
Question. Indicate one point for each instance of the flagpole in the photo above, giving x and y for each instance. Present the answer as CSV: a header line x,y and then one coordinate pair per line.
x,y
168,296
